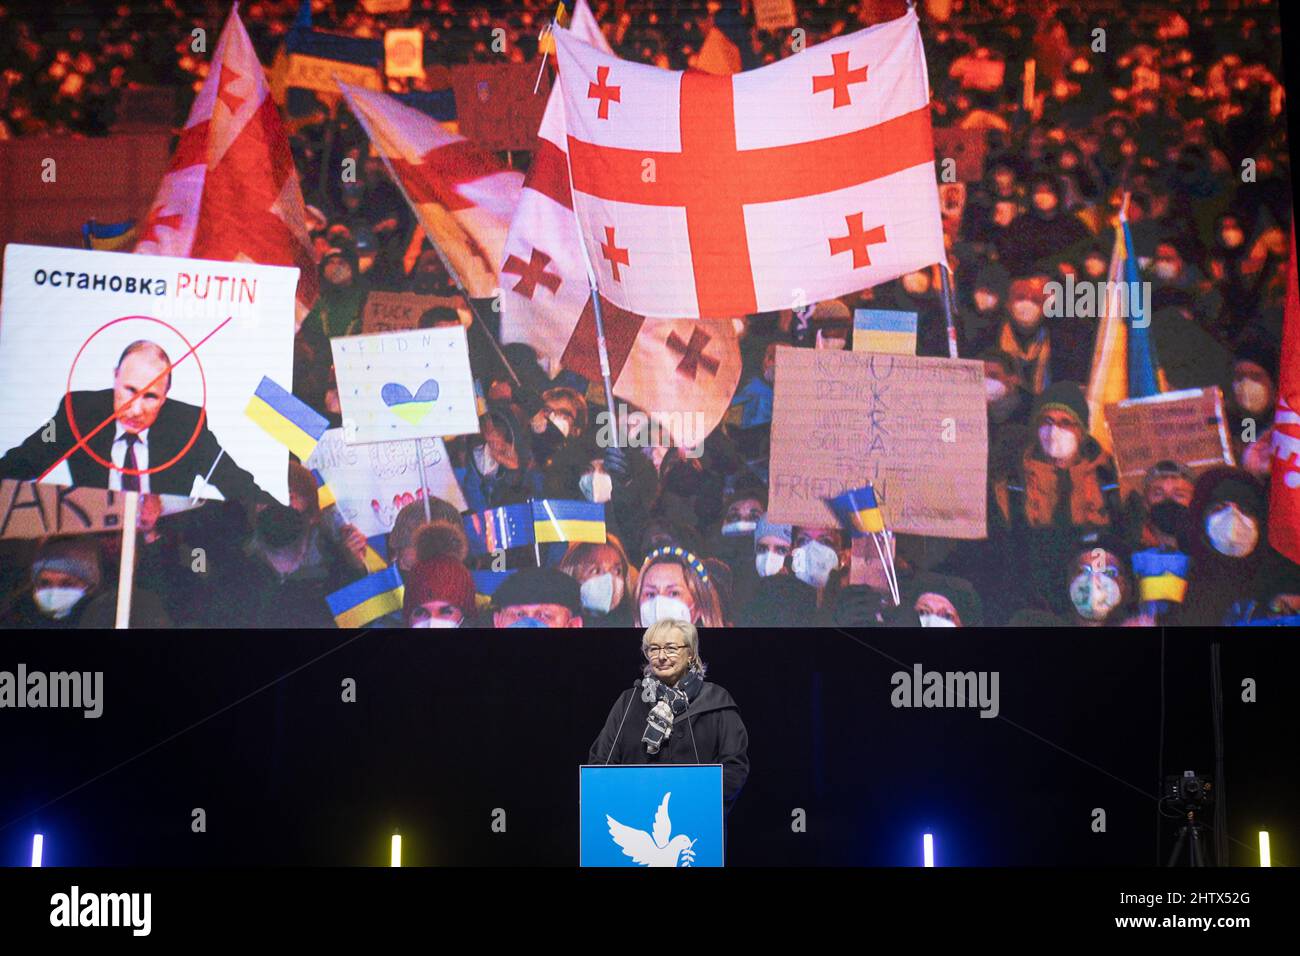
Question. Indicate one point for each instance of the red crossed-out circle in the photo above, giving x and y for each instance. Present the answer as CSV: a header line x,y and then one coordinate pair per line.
x,y
203,409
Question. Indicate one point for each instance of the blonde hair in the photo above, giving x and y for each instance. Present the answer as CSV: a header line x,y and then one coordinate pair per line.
x,y
707,605
681,629
580,553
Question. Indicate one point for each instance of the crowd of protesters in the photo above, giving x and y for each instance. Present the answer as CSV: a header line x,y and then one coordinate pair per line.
x,y
1180,118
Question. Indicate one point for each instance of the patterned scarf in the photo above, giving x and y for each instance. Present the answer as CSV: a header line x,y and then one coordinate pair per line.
x,y
1033,359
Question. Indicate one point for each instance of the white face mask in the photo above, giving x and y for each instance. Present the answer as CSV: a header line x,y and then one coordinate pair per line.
x,y
994,390
561,423
58,602
483,460
1231,532
739,527
1094,596
1166,270
596,487
813,563
436,622
602,593
768,563
1251,395
985,302
660,608
1059,444
934,620
1026,314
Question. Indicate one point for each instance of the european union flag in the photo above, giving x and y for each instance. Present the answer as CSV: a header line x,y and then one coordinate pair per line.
x,y
499,528
858,511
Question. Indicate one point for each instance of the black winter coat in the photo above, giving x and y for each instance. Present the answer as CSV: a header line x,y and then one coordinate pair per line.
x,y
710,731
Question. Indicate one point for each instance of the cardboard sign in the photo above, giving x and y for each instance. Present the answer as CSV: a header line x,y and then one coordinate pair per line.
x,y
317,73
399,311
30,510
1187,426
385,6
373,482
496,106
916,427
67,317
401,385
774,14
404,53
967,146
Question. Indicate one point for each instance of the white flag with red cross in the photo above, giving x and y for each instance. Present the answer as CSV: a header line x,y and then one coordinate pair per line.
x,y
720,196
463,196
231,191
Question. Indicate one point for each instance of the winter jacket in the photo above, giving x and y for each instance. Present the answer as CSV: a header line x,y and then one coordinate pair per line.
x,y
710,731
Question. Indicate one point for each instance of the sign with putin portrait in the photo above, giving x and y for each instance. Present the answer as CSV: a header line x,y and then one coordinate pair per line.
x,y
133,373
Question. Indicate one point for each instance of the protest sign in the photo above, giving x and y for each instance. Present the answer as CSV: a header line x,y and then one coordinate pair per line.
x,y
916,427
396,311
317,73
371,483
385,6
1187,426
404,53
398,385
31,510
71,398
968,147
774,14
496,106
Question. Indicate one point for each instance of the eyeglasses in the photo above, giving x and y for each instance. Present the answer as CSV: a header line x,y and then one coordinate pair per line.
x,y
672,650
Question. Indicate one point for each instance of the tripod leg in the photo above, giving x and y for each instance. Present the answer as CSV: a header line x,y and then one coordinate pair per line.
x,y
1197,848
1175,857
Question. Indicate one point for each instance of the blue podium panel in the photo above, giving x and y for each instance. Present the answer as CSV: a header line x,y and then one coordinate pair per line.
x,y
655,815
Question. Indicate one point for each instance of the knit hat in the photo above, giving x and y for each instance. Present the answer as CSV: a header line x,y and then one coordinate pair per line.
x,y
279,526
767,529
539,586
1063,397
959,592
1258,349
440,578
443,533
1029,287
78,557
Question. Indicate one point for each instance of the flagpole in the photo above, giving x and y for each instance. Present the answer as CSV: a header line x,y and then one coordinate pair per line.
x,y
126,567
947,309
446,264
424,485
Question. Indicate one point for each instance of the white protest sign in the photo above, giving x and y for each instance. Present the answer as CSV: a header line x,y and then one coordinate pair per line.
x,y
399,385
67,316
373,482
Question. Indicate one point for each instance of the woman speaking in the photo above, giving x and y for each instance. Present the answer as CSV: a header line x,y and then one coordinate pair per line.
x,y
672,715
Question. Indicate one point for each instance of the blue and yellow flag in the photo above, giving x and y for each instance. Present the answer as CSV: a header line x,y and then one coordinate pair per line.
x,y
884,330
499,528
286,418
560,520
858,511
367,599
1144,376
1161,575
109,236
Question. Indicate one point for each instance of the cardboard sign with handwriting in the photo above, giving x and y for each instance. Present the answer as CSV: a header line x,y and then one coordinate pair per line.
x,y
916,427
31,510
1187,426
398,311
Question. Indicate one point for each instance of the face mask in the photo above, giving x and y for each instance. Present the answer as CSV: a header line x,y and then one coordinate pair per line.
x,y
1026,314
561,423
934,620
1094,596
1232,238
739,527
1166,270
437,622
768,563
660,608
57,602
1044,202
1094,267
596,487
1059,444
1169,517
527,622
1251,395
985,302
916,285
599,593
994,389
813,563
1232,533
828,342
486,464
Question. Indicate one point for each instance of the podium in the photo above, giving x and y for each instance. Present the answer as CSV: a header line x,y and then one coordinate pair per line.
x,y
650,815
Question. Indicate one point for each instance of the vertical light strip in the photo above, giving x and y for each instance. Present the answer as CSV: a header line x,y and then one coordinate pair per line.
x,y
1265,854
927,849
38,848
397,850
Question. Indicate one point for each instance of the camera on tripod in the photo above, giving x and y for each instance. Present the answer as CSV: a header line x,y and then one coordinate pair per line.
x,y
1189,791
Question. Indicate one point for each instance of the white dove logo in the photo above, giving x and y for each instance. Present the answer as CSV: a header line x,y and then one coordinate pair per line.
x,y
656,850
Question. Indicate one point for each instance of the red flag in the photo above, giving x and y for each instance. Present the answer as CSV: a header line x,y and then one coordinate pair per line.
x,y
1284,484
231,191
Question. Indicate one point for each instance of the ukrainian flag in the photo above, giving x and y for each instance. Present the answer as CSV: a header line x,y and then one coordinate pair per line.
x,y
1162,575
557,520
884,330
367,599
499,528
547,42
324,493
858,510
108,236
286,418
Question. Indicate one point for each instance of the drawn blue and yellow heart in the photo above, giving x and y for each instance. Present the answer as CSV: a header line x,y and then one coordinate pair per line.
x,y
411,408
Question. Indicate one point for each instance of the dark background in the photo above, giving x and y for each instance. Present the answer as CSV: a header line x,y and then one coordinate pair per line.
x,y
448,727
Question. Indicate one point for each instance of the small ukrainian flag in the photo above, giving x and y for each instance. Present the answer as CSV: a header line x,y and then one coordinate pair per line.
x,y
286,418
547,42
884,330
1162,575
324,493
558,520
367,599
858,511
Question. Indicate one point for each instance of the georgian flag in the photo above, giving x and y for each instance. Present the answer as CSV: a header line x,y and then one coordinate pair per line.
x,y
463,197
231,191
721,196
1284,485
